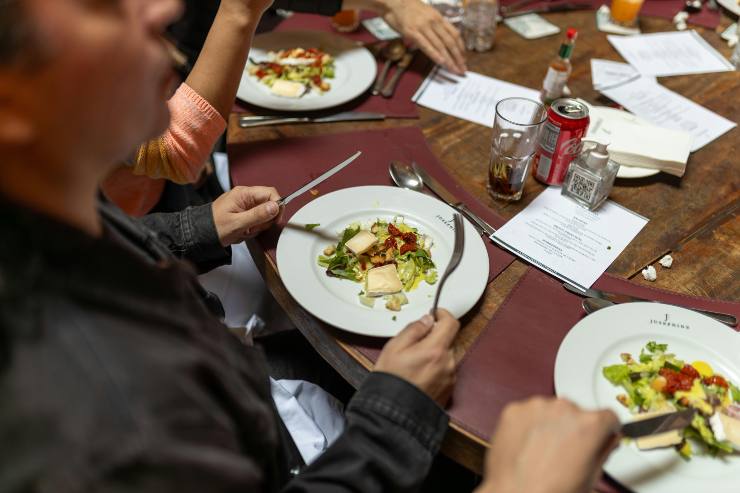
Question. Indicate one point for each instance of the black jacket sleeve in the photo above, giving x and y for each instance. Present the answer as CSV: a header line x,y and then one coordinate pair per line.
x,y
393,433
190,234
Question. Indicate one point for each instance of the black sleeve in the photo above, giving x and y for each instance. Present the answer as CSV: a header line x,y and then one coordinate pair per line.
x,y
393,433
322,7
190,234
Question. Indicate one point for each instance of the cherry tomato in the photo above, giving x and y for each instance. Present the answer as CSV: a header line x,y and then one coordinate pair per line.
x,y
409,237
393,231
408,247
716,380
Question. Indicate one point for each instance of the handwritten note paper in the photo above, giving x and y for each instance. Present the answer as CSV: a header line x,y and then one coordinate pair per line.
x,y
672,53
570,242
665,108
471,98
606,73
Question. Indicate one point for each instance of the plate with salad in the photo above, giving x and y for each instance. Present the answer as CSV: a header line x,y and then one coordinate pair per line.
x,y
646,359
305,70
367,259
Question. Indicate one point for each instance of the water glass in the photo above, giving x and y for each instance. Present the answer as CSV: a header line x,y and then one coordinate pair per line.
x,y
479,24
516,130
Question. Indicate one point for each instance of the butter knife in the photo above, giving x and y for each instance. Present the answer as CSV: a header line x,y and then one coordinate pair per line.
x,y
617,298
659,424
440,191
346,116
308,186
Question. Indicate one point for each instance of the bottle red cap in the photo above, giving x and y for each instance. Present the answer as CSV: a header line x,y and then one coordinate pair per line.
x,y
571,33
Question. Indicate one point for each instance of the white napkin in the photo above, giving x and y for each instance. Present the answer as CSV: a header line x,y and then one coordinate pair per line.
x,y
313,417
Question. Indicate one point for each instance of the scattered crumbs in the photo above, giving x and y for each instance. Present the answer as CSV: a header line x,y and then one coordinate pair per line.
x,y
311,226
609,247
313,192
394,318
666,261
649,273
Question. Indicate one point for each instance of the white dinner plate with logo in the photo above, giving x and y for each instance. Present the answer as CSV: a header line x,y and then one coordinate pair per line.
x,y
597,341
336,301
354,71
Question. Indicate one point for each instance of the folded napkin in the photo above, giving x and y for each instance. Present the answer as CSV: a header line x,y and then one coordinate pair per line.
x,y
636,142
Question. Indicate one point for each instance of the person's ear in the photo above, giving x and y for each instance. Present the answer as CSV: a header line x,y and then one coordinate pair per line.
x,y
16,121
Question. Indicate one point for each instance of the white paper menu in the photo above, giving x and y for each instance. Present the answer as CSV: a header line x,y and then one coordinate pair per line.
x,y
665,108
670,53
471,98
570,242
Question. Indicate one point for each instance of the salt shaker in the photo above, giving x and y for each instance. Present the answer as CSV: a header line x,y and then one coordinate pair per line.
x,y
590,176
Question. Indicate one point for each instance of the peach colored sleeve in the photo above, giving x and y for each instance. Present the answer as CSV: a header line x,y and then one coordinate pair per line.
x,y
181,153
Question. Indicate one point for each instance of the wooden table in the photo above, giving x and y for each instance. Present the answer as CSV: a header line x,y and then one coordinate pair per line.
x,y
695,218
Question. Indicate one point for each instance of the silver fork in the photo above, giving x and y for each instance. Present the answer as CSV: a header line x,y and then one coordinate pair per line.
x,y
454,261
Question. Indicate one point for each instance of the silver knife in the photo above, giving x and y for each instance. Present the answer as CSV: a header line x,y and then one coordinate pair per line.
x,y
308,186
346,116
659,424
725,318
440,191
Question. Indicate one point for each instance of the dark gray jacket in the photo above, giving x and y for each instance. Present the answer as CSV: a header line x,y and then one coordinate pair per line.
x,y
115,376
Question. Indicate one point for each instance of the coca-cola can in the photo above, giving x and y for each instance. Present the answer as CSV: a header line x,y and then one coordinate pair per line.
x,y
560,140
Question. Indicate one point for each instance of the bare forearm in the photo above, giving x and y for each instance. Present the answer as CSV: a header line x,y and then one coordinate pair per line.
x,y
379,6
217,72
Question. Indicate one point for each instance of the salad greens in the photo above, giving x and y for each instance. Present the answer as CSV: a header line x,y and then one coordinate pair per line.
x,y
396,243
660,382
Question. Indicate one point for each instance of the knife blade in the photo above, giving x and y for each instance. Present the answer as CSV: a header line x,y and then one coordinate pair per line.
x,y
308,186
345,116
659,424
617,298
440,191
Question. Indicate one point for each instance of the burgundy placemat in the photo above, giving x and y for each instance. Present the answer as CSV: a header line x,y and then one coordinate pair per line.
x,y
398,106
289,163
665,9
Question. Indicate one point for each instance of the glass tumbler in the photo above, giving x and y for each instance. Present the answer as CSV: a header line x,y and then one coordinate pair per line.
x,y
516,130
479,24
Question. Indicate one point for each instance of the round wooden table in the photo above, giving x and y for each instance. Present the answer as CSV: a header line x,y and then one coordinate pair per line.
x,y
695,217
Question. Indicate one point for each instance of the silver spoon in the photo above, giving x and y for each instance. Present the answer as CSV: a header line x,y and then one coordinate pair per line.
x,y
392,53
590,305
405,176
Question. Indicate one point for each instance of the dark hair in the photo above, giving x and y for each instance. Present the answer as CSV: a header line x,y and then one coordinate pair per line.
x,y
13,30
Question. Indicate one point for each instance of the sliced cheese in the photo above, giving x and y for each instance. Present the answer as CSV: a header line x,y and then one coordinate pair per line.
x,y
731,429
361,242
383,280
288,89
660,440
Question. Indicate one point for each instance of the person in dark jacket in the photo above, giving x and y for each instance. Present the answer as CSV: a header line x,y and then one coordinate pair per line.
x,y
115,372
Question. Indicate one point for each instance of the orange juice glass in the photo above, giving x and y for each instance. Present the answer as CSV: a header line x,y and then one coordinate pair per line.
x,y
625,12
346,21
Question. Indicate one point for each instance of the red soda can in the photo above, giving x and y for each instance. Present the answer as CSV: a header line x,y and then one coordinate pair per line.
x,y
560,140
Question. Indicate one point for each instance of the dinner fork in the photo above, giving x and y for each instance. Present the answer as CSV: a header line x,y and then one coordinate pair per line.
x,y
454,261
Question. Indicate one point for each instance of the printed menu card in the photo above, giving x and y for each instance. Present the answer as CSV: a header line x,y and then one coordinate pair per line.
x,y
566,240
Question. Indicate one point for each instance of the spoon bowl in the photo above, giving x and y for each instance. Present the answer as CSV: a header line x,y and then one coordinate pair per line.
x,y
405,176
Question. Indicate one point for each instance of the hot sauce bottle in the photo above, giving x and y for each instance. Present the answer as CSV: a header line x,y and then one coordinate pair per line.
x,y
559,69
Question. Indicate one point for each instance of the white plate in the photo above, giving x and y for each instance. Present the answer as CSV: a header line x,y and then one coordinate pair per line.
x,y
730,5
597,340
355,70
335,301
